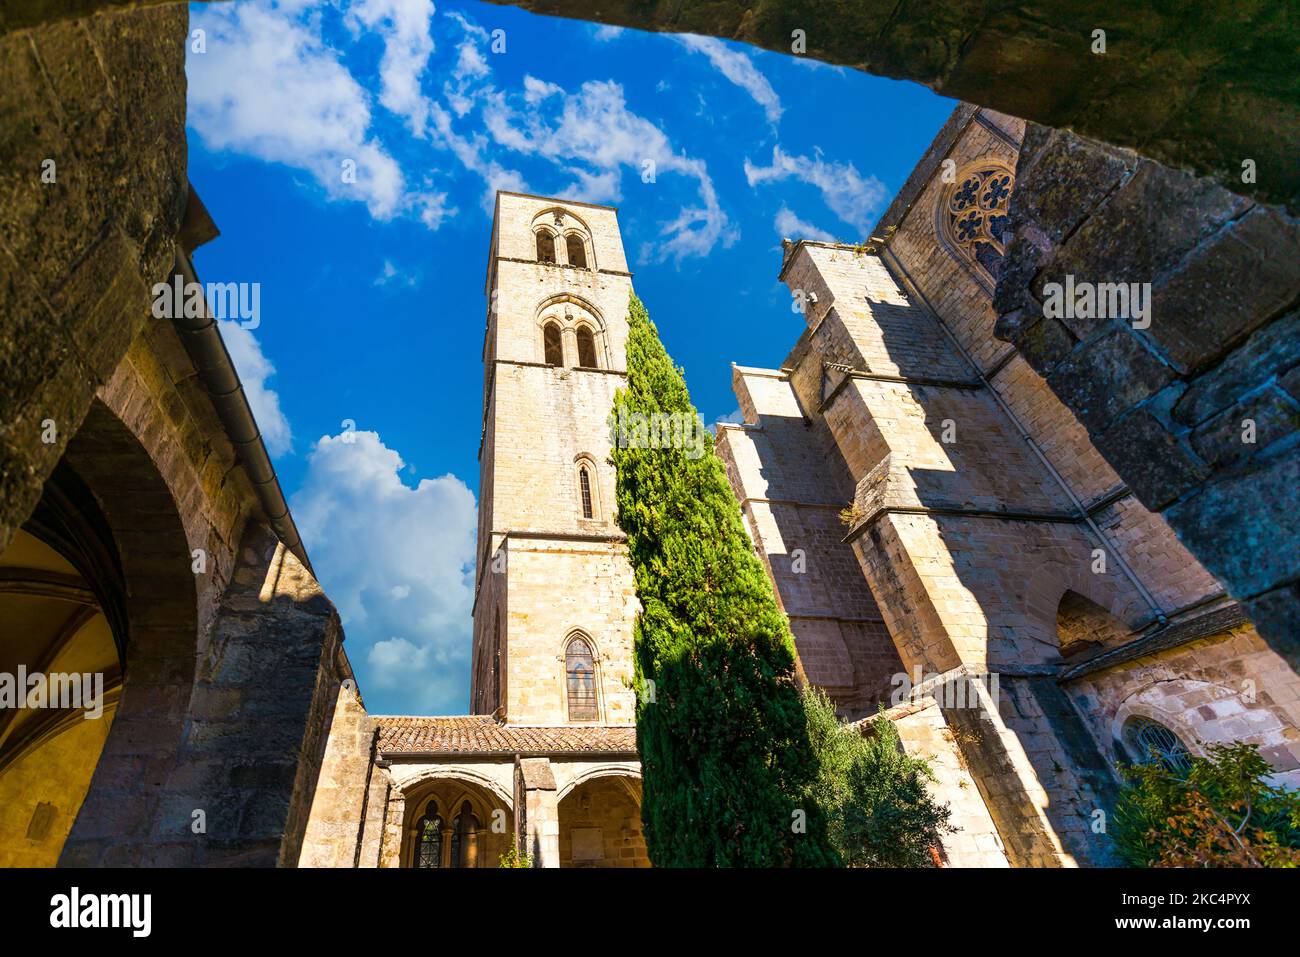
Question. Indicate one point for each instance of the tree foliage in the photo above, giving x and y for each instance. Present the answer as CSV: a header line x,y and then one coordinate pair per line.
x,y
728,771
879,813
1218,812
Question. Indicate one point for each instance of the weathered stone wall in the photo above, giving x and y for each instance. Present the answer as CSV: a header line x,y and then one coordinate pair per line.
x,y
344,789
1169,405
1217,690
924,734
256,721
103,99
792,486
557,587
958,292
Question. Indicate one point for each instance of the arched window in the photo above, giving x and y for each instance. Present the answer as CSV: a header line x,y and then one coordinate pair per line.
x,y
464,828
545,247
584,489
971,217
428,834
551,344
580,678
577,252
1151,742
587,348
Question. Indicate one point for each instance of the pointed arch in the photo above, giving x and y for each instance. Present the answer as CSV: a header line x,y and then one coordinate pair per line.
x,y
587,357
552,344
581,678
545,246
587,485
576,249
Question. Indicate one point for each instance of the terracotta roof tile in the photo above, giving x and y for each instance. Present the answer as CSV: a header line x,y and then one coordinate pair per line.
x,y
480,734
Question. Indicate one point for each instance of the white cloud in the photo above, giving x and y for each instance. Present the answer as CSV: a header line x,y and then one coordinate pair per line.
x,y
595,129
393,275
270,87
850,196
604,33
737,67
790,226
398,563
404,25
254,369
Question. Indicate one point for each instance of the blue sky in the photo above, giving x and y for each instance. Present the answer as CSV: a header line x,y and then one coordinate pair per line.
x,y
364,369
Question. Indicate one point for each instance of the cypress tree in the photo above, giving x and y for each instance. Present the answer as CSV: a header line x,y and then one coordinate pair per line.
x,y
728,772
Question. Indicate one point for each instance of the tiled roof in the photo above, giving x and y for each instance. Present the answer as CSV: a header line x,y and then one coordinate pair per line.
x,y
483,734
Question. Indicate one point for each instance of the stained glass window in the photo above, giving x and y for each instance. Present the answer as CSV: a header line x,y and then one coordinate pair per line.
x,y
428,834
972,215
580,672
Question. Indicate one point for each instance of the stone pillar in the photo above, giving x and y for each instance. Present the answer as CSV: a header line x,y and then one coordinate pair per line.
x,y
390,854
535,787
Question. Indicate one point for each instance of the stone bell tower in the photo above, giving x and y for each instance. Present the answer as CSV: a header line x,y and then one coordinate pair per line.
x,y
554,598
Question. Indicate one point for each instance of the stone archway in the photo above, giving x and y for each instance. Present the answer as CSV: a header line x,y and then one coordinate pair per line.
x,y
454,821
108,510
600,822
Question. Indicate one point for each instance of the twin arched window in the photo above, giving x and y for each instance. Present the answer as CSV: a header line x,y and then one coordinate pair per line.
x,y
575,246
580,680
553,348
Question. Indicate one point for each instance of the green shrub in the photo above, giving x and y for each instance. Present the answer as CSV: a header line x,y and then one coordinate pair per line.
x,y
879,812
1218,812
515,858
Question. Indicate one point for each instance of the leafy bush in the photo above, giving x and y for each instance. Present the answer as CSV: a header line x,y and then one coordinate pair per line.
x,y
1218,812
879,813
515,858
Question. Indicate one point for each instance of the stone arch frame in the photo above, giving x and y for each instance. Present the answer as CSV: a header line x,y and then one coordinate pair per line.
x,y
960,249
1137,709
562,223
578,326
588,253
597,508
622,771
417,792
538,232
549,310
1047,586
598,678
158,669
